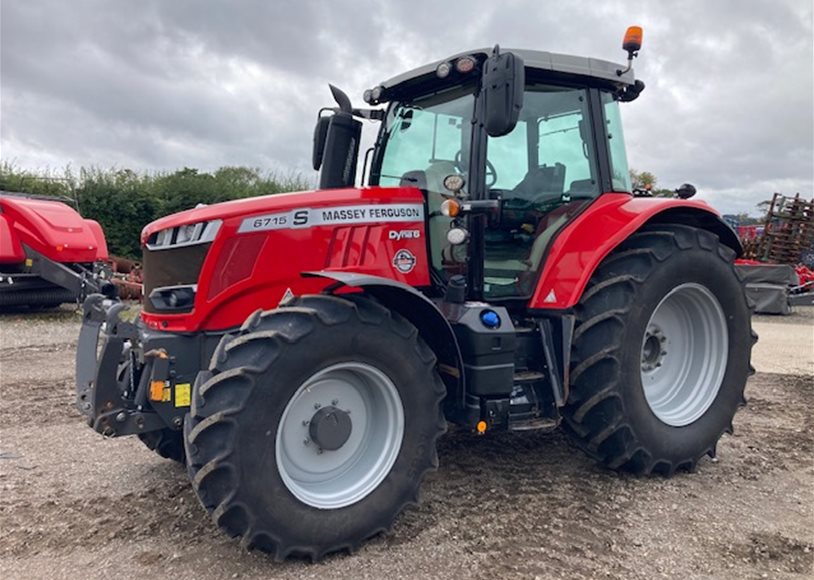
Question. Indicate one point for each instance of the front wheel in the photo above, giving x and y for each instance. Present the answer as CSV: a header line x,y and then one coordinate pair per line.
x,y
315,426
661,352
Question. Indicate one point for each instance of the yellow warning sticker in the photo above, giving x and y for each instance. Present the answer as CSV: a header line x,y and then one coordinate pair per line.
x,y
29,262
166,395
182,395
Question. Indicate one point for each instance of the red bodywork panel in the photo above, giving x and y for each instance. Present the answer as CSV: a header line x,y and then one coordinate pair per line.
x,y
245,270
51,228
583,244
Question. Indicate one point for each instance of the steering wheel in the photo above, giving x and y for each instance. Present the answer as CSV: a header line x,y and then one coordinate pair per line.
x,y
491,174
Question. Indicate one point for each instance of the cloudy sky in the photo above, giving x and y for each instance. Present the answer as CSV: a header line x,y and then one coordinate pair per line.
x,y
152,84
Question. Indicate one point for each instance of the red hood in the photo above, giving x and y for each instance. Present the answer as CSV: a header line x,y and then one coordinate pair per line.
x,y
274,202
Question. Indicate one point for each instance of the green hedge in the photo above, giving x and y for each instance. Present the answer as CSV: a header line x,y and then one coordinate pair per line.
x,y
124,201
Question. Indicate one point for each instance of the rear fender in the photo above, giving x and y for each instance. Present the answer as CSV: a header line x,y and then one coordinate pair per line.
x,y
422,312
581,246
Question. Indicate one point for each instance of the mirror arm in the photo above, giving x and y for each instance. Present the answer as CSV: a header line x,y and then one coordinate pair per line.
x,y
370,114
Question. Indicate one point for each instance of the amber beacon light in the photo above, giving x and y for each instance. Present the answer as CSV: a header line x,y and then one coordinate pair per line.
x,y
633,40
632,43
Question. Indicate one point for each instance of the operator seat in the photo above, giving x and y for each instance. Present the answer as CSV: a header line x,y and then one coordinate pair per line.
x,y
557,218
540,182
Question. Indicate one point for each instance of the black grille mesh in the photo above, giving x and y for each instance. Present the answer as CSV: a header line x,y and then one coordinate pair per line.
x,y
171,267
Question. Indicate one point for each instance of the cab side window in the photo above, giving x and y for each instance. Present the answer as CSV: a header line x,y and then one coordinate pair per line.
x,y
542,172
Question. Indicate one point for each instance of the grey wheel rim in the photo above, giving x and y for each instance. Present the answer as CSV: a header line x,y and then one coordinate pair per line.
x,y
339,469
684,355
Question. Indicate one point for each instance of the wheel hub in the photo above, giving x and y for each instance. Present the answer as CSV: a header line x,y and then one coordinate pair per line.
x,y
325,459
330,428
653,348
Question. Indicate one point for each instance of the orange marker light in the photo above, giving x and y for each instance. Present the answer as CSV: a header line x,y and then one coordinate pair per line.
x,y
450,207
633,39
156,390
481,427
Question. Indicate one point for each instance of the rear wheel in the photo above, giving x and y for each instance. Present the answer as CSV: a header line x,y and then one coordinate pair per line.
x,y
660,353
314,426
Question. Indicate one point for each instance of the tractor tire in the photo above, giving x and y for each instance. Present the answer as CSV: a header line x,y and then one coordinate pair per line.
x,y
168,443
314,426
660,353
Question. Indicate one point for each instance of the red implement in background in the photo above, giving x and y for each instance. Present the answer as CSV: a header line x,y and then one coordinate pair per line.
x,y
49,254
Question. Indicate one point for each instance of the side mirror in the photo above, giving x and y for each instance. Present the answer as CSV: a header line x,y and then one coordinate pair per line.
x,y
686,191
320,136
502,83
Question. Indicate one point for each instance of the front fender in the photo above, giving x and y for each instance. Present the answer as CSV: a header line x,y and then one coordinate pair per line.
x,y
582,245
422,312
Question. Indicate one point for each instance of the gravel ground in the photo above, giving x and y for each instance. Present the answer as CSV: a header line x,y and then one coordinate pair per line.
x,y
74,505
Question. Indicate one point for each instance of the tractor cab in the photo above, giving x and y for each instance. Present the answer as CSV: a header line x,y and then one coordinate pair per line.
x,y
506,146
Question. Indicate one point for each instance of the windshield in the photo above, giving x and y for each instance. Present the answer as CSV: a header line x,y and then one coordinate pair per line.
x,y
426,133
425,140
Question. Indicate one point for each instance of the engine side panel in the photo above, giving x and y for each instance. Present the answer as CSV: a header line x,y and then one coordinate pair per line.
x,y
613,217
265,244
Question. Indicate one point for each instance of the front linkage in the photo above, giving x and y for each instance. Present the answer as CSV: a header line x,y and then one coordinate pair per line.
x,y
112,406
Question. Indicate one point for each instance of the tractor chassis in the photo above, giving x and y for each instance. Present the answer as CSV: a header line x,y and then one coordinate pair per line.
x,y
516,382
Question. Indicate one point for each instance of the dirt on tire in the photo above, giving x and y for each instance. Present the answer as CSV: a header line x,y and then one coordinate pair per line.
x,y
74,505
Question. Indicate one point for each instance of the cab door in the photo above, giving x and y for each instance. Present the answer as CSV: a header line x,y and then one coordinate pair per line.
x,y
543,172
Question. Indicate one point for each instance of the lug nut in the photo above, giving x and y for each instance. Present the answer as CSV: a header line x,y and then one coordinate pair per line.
x,y
317,405
335,402
319,451
305,422
121,417
306,441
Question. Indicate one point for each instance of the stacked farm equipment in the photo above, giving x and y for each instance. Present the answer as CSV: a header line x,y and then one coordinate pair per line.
x,y
779,255
126,275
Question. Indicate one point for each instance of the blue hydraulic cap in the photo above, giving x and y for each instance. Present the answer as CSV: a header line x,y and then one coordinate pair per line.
x,y
490,319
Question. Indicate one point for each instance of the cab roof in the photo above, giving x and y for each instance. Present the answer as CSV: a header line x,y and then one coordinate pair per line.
x,y
534,59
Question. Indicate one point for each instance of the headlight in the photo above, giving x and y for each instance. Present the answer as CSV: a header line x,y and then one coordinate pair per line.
x,y
174,298
184,235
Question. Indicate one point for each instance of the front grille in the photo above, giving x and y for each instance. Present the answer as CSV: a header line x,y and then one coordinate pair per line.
x,y
178,266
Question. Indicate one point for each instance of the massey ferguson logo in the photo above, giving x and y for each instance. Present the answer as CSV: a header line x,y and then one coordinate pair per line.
x,y
404,261
404,234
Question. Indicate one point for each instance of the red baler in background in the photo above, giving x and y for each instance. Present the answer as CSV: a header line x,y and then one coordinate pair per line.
x,y
49,254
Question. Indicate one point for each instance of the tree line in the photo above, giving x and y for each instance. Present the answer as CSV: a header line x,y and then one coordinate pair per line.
x,y
124,201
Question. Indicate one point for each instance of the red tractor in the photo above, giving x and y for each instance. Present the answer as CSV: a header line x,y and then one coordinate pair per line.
x,y
303,352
